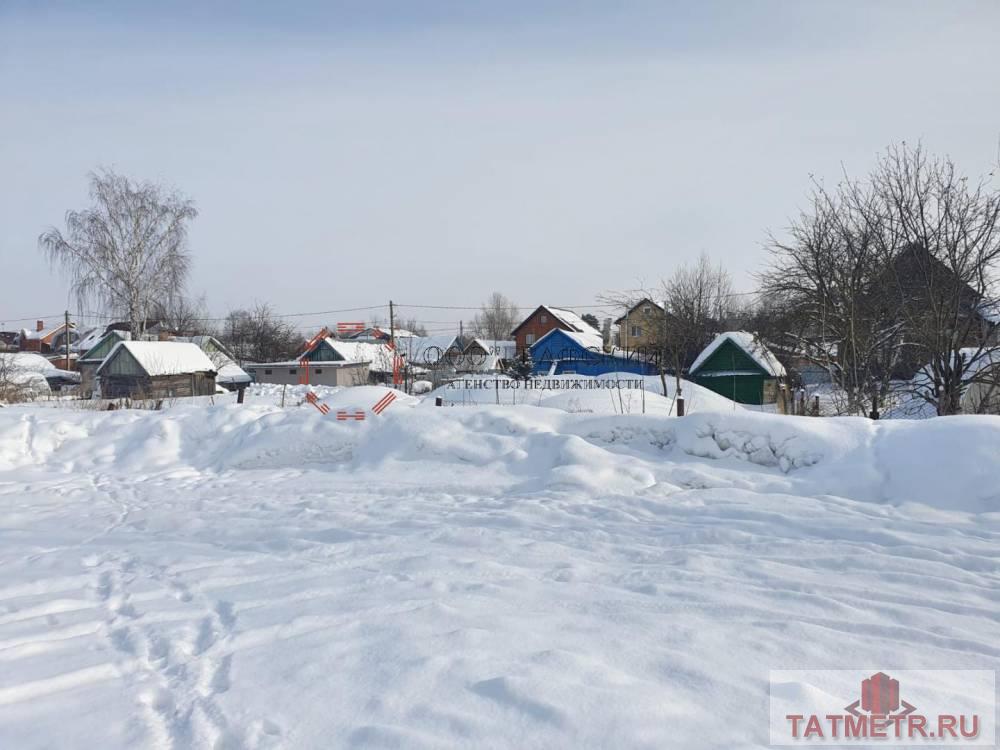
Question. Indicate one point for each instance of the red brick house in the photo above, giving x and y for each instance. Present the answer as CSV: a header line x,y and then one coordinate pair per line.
x,y
547,318
46,340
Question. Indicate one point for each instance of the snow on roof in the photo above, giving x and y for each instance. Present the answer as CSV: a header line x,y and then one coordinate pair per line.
x,y
39,335
748,343
501,347
164,357
590,340
378,355
27,362
85,350
427,350
974,361
232,373
89,340
571,319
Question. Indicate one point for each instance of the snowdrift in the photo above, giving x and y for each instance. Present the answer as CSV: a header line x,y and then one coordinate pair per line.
x,y
947,463
613,393
223,576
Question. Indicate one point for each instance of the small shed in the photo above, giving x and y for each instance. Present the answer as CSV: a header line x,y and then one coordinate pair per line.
x,y
156,369
740,367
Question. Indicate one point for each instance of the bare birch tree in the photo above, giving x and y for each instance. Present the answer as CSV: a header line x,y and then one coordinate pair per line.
x,y
128,250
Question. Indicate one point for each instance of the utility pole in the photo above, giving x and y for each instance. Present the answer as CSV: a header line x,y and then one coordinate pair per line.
x,y
67,340
392,326
392,344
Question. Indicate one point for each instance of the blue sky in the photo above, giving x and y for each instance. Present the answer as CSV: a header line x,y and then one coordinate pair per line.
x,y
342,154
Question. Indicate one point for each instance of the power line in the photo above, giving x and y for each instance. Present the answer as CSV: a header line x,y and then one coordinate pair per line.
x,y
95,316
367,308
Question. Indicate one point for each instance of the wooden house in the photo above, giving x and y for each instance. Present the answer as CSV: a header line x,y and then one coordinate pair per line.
x,y
740,367
641,326
154,370
546,318
93,358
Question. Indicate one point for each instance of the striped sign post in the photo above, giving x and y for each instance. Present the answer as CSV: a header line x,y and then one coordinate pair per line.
x,y
304,372
320,407
384,402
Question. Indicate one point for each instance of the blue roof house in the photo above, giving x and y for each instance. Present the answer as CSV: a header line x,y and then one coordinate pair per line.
x,y
566,352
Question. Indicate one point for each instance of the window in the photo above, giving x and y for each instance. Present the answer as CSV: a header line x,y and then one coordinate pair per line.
x,y
648,310
267,372
529,339
292,372
544,318
635,331
318,370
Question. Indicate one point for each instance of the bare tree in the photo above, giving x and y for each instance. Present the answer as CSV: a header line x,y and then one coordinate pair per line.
x,y
184,315
17,382
496,319
413,326
826,279
942,280
128,250
894,275
259,335
698,299
695,302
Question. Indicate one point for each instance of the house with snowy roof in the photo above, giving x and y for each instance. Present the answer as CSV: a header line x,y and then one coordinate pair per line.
x,y
93,357
440,350
155,370
561,352
641,326
486,355
547,318
229,374
45,340
739,366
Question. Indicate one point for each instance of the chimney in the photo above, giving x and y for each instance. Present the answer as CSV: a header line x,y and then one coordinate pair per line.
x,y
39,325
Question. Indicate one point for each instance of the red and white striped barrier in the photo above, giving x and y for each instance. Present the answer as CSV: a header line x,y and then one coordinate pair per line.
x,y
343,328
343,416
320,407
384,402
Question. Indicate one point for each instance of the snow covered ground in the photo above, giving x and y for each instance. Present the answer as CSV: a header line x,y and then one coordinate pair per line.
x,y
222,576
